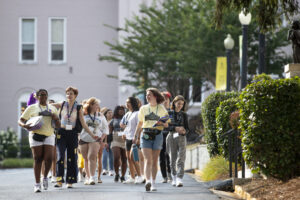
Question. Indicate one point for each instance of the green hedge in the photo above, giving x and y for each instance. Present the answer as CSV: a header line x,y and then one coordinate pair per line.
x,y
222,122
270,124
17,163
208,112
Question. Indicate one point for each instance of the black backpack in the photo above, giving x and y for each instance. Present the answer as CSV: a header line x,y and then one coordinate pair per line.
x,y
78,125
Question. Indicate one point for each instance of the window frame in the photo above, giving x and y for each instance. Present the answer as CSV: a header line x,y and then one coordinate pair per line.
x,y
57,62
35,60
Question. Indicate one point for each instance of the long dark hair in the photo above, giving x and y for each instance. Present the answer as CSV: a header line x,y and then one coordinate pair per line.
x,y
116,112
178,98
134,103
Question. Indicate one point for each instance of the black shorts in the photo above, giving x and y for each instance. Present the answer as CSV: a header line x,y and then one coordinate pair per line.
x,y
128,145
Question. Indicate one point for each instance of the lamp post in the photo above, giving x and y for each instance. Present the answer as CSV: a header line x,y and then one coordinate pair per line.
x,y
245,21
229,44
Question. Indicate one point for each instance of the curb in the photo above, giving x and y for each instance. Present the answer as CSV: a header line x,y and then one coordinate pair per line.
x,y
243,194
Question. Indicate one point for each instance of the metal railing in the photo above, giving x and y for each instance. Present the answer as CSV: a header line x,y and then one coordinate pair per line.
x,y
235,150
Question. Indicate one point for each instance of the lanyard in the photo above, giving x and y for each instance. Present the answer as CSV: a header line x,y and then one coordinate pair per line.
x,y
42,109
156,109
93,120
69,113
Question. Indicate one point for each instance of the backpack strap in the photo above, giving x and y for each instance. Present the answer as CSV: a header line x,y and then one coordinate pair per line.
x,y
62,105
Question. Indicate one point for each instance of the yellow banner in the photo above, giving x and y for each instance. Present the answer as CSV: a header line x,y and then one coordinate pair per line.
x,y
221,74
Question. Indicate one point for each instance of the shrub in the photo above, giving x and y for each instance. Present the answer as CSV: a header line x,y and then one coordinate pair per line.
x,y
8,142
224,111
216,168
261,77
208,112
17,163
270,124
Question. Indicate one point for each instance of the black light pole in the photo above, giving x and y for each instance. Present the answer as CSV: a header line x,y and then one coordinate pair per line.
x,y
245,21
228,43
261,53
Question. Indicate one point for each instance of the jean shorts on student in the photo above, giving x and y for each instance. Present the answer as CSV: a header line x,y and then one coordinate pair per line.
x,y
152,144
50,140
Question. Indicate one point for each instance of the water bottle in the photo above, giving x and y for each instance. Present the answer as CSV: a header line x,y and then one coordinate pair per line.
x,y
135,152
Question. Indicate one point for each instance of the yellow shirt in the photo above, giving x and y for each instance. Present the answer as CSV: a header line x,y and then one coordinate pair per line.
x,y
149,115
33,111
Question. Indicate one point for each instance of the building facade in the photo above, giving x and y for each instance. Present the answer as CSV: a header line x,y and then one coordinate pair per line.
x,y
52,45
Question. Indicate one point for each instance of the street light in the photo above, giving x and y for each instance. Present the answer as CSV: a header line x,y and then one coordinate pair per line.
x,y
245,21
229,44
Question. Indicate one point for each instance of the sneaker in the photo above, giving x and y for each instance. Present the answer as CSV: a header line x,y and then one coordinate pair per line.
x,y
86,181
80,178
148,186
92,181
179,182
104,172
153,188
69,185
58,184
53,179
128,181
99,180
45,183
122,179
174,180
37,188
165,180
111,173
138,180
117,176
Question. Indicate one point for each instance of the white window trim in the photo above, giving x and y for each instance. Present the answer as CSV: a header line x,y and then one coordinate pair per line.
x,y
64,61
20,41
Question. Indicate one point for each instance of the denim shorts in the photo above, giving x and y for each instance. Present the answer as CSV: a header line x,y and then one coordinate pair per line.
x,y
152,144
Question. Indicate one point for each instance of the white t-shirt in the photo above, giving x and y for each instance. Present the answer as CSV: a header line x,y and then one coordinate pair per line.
x,y
97,124
131,118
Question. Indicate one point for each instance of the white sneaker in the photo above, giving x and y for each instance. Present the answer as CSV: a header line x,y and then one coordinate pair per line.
x,y
179,182
91,181
104,172
53,179
153,188
86,181
45,183
138,180
110,173
37,188
80,177
174,180
128,181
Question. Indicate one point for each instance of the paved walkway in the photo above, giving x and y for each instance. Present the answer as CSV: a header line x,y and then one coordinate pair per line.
x,y
18,184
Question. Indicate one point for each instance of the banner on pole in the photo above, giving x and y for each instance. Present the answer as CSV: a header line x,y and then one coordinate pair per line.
x,y
221,74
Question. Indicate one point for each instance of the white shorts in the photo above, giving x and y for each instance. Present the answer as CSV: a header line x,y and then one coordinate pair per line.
x,y
50,140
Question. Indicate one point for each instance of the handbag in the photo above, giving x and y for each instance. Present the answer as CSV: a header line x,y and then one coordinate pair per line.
x,y
78,125
38,137
109,138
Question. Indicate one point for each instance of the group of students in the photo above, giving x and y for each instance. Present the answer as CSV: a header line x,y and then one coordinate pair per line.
x,y
137,137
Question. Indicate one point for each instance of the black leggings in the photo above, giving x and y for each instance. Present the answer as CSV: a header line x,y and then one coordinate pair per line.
x,y
164,159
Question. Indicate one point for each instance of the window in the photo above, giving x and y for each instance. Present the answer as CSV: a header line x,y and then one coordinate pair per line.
x,y
27,40
57,40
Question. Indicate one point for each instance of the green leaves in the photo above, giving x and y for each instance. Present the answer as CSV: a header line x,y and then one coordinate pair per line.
x,y
271,138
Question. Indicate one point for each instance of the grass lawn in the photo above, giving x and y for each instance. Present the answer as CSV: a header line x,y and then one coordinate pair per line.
x,y
16,163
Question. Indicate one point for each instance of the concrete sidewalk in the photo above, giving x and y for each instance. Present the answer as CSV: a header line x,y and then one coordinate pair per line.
x,y
18,184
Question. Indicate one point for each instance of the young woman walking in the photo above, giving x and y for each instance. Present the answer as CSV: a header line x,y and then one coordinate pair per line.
x,y
107,152
71,114
41,140
118,144
151,139
176,140
129,123
89,147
